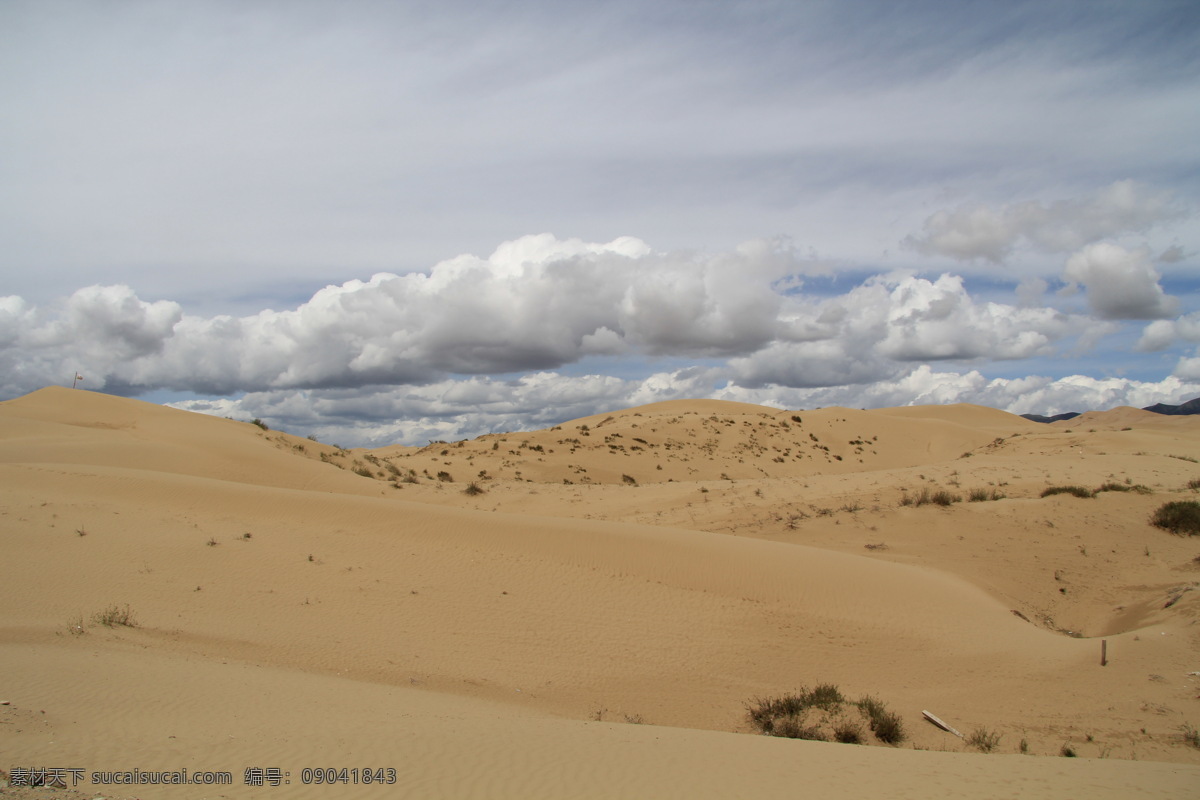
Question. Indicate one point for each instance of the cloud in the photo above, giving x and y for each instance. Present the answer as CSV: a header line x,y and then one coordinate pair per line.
x,y
1161,334
876,330
1188,369
983,232
452,410
474,344
923,385
101,326
1120,283
536,304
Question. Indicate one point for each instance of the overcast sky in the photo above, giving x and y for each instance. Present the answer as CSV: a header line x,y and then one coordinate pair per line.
x,y
401,221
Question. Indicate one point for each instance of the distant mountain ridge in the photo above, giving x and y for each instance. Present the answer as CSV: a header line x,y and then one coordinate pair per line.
x,y
1190,407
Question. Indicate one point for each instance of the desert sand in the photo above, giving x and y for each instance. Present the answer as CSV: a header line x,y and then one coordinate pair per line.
x,y
586,611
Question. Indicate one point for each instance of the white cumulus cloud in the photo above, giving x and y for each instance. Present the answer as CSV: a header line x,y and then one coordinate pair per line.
x,y
1120,283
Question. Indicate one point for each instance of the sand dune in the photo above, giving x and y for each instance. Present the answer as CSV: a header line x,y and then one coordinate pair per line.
x,y
301,605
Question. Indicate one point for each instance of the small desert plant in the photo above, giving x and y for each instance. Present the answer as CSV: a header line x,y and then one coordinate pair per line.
x,y
259,423
115,615
926,497
1078,491
445,476
819,714
473,488
1180,517
983,740
791,728
886,725
629,479
1191,736
1067,751
364,471
977,495
944,498
847,732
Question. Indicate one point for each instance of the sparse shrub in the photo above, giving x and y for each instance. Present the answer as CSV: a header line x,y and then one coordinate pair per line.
x,y
1194,483
1191,736
259,423
848,732
1067,751
926,497
115,615
977,495
983,740
886,725
445,477
410,478
1124,487
791,728
473,488
819,714
889,728
1180,517
825,696
1078,491
629,479
944,498
364,471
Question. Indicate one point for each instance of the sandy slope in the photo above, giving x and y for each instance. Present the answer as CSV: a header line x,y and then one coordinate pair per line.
x,y
662,565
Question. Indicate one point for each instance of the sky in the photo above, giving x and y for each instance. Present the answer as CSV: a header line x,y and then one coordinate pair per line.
x,y
395,222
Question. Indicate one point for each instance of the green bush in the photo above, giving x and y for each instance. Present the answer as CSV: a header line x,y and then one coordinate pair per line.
x,y
1180,517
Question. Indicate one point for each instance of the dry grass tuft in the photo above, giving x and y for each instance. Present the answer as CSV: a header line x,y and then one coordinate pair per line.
x,y
115,615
